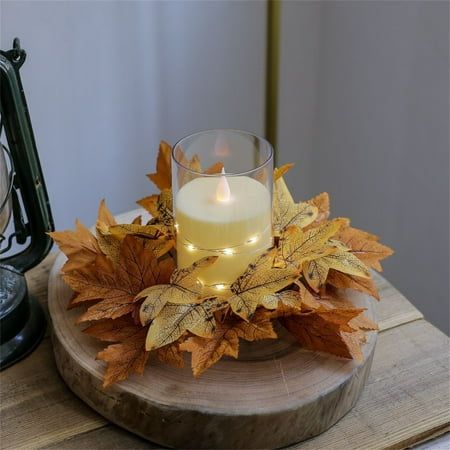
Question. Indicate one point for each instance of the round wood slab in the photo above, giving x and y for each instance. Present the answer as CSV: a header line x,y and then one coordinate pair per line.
x,y
274,395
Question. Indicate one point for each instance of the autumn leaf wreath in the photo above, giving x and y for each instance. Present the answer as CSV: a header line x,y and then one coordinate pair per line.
x,y
137,301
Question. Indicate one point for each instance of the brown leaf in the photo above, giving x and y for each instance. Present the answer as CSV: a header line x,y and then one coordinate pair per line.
x,y
322,203
110,239
364,247
346,281
150,204
117,285
278,172
326,331
115,330
362,322
125,358
80,247
171,355
225,340
104,215
163,176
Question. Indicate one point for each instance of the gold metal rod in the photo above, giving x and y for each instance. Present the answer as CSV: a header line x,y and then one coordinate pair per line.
x,y
272,72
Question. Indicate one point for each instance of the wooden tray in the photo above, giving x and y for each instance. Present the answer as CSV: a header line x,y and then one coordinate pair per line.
x,y
274,395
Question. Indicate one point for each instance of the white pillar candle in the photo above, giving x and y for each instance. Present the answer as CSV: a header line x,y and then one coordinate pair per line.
x,y
228,216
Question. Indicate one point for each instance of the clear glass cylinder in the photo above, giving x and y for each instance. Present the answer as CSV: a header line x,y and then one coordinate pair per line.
x,y
222,192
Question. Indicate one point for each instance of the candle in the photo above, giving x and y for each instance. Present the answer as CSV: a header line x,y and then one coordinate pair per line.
x,y
229,216
226,214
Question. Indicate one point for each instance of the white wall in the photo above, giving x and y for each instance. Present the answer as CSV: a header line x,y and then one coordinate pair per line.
x,y
105,81
372,90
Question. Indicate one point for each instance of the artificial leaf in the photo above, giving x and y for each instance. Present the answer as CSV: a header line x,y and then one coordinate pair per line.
x,y
175,319
322,203
364,247
347,281
324,331
289,302
80,247
163,176
286,212
110,238
171,354
258,284
278,172
150,204
112,330
104,215
125,358
225,340
117,285
362,322
297,246
316,271
184,288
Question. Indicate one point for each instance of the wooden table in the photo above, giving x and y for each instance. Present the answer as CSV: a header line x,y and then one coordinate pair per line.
x,y
406,400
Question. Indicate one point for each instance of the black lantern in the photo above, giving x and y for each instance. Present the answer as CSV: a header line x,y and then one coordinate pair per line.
x,y
24,203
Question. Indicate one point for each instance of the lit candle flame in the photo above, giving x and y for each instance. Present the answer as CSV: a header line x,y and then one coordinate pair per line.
x,y
223,193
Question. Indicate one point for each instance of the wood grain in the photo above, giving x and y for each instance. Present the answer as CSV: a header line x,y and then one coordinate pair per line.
x,y
275,394
405,401
40,411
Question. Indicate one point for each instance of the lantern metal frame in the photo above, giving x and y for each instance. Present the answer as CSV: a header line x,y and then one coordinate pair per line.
x,y
22,321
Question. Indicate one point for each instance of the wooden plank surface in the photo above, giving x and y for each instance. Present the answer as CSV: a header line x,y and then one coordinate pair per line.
x,y
405,401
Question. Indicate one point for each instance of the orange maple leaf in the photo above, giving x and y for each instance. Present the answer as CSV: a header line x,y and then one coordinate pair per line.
x,y
225,339
163,176
115,286
346,281
80,246
364,247
326,331
125,358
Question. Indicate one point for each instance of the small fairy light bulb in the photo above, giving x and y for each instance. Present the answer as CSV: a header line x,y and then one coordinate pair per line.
x,y
252,239
220,287
228,251
190,247
223,193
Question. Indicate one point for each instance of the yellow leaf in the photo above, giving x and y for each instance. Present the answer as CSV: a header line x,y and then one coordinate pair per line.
x,y
297,246
258,284
184,288
316,271
175,319
286,212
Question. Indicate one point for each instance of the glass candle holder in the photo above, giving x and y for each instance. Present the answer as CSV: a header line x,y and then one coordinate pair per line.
x,y
222,192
